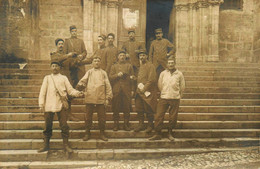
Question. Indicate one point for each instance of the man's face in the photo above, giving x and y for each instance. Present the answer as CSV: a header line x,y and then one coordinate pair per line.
x,y
159,35
121,57
101,41
110,40
143,57
171,64
131,35
55,68
73,32
60,46
96,63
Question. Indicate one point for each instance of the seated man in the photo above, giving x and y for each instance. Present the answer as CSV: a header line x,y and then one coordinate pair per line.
x,y
98,93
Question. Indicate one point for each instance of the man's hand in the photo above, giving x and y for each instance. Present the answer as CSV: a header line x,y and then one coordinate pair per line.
x,y
80,57
120,74
132,77
71,54
81,94
106,103
80,87
42,110
132,93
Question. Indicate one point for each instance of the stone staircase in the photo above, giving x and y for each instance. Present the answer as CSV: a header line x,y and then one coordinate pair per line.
x,y
220,111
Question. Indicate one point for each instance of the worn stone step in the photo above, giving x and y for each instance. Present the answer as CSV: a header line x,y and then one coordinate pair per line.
x,y
187,78
36,88
19,82
186,72
178,133
22,155
185,95
15,125
134,143
50,164
191,109
109,154
184,102
133,116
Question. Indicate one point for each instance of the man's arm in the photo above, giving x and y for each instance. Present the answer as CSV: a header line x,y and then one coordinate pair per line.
x,y
83,82
171,48
113,75
109,93
43,92
182,85
151,52
71,91
151,78
160,80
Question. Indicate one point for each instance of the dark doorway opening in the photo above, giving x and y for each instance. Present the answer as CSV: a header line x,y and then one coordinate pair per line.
x,y
158,16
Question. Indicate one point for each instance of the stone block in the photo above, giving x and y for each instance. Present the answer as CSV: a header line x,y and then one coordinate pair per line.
x,y
247,45
238,46
222,45
230,46
105,154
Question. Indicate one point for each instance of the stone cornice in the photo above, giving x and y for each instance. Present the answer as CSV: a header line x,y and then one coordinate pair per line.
x,y
197,5
110,3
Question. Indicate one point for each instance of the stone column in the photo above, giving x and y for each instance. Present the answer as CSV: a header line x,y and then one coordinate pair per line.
x,y
197,24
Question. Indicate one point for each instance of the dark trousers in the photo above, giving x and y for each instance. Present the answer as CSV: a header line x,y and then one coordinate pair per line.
x,y
74,76
101,111
62,117
143,108
121,102
162,107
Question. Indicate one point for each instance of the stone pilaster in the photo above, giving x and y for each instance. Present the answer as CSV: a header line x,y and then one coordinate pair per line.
x,y
197,24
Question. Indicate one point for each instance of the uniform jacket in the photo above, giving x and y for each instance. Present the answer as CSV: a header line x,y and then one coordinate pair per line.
x,y
97,86
110,57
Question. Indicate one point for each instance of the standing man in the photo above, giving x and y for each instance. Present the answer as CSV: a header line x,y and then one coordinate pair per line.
x,y
132,48
160,50
77,64
171,85
98,94
102,45
120,76
110,56
54,87
146,94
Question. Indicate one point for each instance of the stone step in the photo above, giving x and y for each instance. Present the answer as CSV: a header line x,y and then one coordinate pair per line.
x,y
133,116
185,71
185,96
178,133
8,82
190,109
184,102
36,88
106,154
129,143
27,125
49,164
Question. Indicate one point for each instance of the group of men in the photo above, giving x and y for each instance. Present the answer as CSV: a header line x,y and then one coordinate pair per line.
x,y
115,78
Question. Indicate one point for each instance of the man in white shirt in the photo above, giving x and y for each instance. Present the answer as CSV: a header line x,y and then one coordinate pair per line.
x,y
54,87
171,84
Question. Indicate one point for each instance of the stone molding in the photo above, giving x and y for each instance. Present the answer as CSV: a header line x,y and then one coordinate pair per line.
x,y
197,5
109,3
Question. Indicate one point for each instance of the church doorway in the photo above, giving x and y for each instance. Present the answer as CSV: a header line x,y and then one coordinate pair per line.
x,y
158,16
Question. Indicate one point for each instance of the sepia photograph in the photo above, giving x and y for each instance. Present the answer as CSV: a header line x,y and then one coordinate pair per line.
x,y
129,84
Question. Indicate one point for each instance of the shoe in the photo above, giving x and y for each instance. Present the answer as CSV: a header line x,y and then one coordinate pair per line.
x,y
46,146
103,137
116,126
149,129
73,118
66,145
86,137
156,137
170,137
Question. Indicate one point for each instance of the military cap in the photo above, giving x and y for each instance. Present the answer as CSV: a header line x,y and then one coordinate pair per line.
x,y
73,27
54,61
121,51
158,30
103,36
111,34
57,40
172,57
142,51
131,30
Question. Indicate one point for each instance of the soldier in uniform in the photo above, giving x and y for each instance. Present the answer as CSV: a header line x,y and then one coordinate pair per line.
x,y
120,76
160,50
77,63
50,103
171,85
146,94
102,45
110,55
132,48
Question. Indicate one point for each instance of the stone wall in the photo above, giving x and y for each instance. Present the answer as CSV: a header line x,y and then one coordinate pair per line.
x,y
236,33
256,42
18,26
55,19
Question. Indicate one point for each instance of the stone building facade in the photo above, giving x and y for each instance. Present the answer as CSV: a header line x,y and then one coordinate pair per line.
x,y
201,29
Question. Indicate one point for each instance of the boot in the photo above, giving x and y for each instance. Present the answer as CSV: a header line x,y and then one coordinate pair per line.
x,y
102,136
150,124
170,135
126,122
46,145
141,126
66,145
157,136
116,125
72,117
87,136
